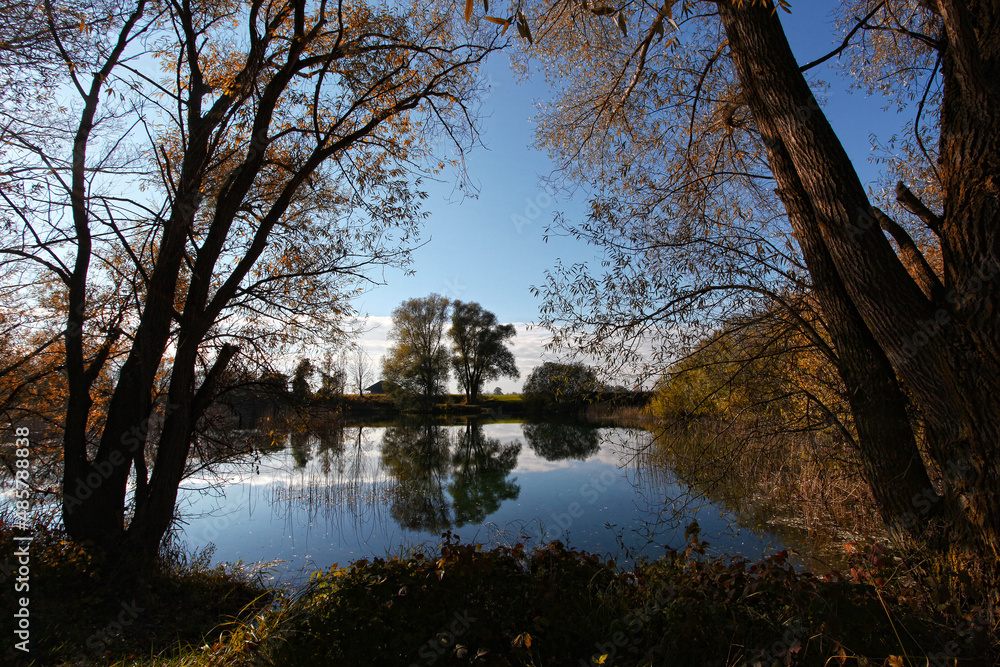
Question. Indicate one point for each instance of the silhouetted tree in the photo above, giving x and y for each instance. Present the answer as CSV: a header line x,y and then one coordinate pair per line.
x,y
480,348
301,389
417,361
197,181
555,383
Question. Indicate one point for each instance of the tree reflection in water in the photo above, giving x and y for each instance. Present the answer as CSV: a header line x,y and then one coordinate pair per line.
x,y
480,481
555,441
424,463
326,435
417,456
300,443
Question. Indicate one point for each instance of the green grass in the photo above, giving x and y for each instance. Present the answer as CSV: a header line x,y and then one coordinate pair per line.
x,y
503,398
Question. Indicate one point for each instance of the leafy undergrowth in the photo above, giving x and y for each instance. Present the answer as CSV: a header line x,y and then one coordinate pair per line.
x,y
558,606
86,611
466,605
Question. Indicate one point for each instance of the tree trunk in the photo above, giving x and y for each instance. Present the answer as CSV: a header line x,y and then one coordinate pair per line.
x,y
99,518
891,462
155,509
944,353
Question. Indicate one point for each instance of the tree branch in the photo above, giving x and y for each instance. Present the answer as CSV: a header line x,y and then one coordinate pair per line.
x,y
912,203
847,40
912,258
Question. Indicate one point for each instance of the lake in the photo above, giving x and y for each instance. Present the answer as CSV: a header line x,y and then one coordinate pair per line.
x,y
375,491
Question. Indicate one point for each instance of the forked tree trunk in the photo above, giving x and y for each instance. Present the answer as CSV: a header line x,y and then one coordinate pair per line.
x,y
95,491
891,462
154,511
945,353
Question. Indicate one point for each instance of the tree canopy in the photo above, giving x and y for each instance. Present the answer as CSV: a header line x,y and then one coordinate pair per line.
x,y
186,188
480,349
724,190
417,361
565,383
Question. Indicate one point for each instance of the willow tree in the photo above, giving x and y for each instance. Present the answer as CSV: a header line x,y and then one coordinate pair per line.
x,y
697,124
210,182
480,349
416,364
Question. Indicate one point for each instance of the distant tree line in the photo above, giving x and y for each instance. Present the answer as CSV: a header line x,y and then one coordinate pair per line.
x,y
350,372
420,360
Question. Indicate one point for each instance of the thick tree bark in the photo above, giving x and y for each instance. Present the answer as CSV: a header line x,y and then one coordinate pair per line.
x,y
970,173
944,353
891,462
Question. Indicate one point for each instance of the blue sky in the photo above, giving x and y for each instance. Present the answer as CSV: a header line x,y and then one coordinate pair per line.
x,y
478,250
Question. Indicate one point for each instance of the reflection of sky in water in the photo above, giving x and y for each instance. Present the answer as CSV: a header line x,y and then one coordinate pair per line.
x,y
344,504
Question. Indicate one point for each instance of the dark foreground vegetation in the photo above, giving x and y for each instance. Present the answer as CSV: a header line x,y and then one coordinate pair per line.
x,y
86,610
464,604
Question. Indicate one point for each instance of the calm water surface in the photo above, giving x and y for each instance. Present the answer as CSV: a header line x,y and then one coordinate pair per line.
x,y
360,492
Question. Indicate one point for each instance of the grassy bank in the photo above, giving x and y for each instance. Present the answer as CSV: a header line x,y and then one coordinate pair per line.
x,y
596,406
505,606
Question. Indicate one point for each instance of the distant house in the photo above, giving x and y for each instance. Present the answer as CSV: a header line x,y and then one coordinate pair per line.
x,y
376,388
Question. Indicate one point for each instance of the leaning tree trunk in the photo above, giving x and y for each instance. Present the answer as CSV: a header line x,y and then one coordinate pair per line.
x,y
891,462
94,491
945,353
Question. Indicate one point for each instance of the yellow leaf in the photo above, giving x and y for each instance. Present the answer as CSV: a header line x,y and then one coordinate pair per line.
x,y
468,10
